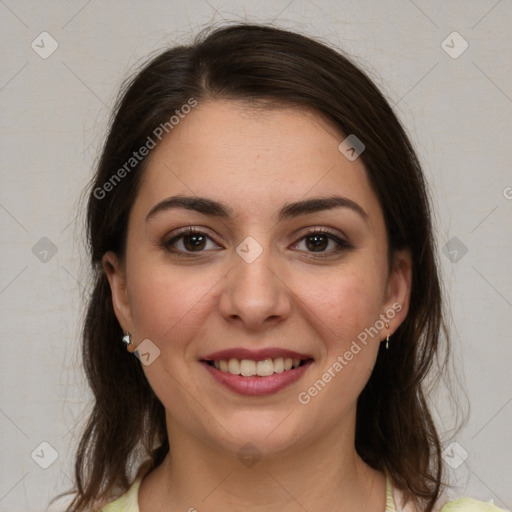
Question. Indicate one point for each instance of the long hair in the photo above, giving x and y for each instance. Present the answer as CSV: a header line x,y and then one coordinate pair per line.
x,y
395,431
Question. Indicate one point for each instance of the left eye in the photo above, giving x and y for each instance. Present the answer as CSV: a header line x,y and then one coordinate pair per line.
x,y
318,242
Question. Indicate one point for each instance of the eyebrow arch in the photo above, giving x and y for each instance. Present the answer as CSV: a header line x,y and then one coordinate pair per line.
x,y
317,204
289,210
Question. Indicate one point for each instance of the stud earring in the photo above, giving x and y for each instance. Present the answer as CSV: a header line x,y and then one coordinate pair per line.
x,y
127,338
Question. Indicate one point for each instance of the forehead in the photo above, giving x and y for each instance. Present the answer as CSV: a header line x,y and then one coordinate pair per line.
x,y
252,158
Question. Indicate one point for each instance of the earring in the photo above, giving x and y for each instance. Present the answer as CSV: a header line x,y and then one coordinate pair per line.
x,y
387,339
127,338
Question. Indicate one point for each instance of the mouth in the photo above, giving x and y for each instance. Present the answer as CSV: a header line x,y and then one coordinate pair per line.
x,y
253,368
256,372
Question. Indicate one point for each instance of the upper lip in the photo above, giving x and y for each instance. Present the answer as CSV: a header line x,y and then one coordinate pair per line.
x,y
254,355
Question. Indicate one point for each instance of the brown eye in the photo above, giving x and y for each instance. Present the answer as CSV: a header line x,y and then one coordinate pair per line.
x,y
194,242
189,241
317,243
323,243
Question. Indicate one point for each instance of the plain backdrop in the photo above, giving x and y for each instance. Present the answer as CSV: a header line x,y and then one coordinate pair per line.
x,y
62,65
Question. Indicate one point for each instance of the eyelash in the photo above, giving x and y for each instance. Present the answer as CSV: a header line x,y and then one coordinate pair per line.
x,y
341,244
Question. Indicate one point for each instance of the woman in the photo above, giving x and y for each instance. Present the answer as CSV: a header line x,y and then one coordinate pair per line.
x,y
267,303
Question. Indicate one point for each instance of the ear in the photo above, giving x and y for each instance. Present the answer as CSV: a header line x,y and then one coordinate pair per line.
x,y
398,289
114,269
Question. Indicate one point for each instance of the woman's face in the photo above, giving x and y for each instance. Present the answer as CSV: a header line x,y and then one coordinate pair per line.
x,y
286,264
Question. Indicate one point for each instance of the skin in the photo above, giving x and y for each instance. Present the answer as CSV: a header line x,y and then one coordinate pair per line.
x,y
255,161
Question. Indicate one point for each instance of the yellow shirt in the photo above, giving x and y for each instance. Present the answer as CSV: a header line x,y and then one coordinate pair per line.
x,y
128,502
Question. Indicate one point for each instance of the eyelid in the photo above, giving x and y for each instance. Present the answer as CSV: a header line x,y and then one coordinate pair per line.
x,y
322,230
187,230
333,234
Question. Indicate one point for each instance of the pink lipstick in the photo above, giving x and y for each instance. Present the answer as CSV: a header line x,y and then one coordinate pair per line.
x,y
256,372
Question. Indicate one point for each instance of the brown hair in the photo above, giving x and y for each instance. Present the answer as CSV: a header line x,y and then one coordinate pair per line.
x,y
394,428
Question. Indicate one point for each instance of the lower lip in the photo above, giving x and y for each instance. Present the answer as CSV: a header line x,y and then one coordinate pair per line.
x,y
257,386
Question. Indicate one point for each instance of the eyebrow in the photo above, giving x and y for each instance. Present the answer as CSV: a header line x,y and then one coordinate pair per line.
x,y
289,210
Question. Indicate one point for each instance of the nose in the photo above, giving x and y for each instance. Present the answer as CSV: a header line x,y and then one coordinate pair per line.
x,y
254,294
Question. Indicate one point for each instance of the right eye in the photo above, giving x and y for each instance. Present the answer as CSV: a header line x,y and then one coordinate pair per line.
x,y
188,241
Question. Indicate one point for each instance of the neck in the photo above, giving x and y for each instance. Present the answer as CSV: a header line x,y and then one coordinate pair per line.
x,y
326,474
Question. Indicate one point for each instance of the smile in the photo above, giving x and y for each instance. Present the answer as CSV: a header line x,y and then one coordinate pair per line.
x,y
250,368
256,372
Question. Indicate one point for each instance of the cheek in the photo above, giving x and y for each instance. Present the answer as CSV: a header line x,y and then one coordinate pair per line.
x,y
167,306
344,311
345,305
345,317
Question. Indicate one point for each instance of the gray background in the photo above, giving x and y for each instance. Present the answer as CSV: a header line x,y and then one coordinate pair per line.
x,y
54,113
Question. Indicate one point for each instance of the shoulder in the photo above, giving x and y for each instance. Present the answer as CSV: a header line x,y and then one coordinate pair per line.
x,y
128,502
470,505
395,503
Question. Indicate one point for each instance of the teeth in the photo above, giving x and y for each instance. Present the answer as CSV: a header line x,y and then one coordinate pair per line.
x,y
234,366
249,368
265,368
279,365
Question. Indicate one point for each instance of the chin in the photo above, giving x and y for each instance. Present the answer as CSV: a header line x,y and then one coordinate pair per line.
x,y
266,433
